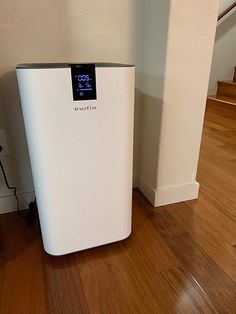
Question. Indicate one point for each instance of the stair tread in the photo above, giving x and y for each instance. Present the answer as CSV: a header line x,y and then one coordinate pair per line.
x,y
224,99
227,82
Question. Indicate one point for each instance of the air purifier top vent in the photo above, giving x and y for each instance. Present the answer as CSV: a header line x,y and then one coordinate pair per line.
x,y
66,65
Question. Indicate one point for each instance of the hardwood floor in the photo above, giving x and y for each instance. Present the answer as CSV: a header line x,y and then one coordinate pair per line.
x,y
180,258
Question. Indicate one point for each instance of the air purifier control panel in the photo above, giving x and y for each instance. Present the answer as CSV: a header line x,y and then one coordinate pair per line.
x,y
83,81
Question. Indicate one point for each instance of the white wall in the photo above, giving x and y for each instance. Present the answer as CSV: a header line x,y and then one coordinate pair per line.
x,y
183,83
224,60
57,31
152,88
171,44
224,4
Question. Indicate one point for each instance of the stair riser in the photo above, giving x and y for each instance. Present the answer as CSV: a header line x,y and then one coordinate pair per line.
x,y
228,90
212,102
221,102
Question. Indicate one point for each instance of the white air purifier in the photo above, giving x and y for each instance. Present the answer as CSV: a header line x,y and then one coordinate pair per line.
x,y
79,126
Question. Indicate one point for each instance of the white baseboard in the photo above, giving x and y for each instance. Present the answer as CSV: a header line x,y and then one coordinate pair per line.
x,y
147,190
176,194
169,195
8,201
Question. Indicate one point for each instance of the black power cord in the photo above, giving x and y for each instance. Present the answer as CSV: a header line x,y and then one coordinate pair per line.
x,y
32,206
11,188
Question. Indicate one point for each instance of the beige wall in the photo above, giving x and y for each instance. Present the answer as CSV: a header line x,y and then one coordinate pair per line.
x,y
57,31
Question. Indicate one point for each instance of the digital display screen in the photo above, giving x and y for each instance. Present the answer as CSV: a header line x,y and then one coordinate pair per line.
x,y
83,81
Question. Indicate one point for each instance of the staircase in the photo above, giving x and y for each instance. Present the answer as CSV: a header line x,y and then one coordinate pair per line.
x,y
226,92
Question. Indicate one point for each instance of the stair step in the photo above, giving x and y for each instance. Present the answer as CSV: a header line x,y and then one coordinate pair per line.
x,y
227,88
222,100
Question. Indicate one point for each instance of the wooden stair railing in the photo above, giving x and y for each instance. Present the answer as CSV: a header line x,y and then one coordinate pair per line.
x,y
226,11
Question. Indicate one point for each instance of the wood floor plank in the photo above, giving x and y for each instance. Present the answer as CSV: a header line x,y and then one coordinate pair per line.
x,y
223,114
226,205
218,187
208,238
178,292
216,126
208,211
63,285
103,288
219,156
226,139
229,148
211,172
215,283
21,273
